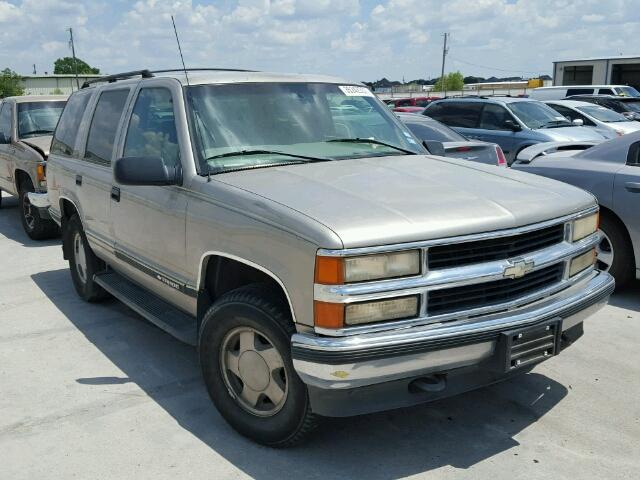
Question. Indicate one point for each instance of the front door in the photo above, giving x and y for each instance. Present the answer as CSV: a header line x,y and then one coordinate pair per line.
x,y
626,195
149,221
494,129
6,148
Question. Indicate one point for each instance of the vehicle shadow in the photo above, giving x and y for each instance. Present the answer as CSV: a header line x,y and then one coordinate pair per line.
x,y
628,297
11,226
460,431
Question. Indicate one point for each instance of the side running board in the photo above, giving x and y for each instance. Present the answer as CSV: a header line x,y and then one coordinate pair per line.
x,y
157,311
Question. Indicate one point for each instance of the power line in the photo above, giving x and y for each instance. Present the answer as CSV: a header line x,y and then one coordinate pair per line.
x,y
496,68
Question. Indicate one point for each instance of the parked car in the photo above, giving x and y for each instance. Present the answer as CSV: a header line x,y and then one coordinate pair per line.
x,y
455,145
413,101
513,123
627,106
409,109
26,126
610,171
608,123
323,263
560,92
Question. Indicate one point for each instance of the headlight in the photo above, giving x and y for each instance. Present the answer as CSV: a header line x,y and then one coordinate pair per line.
x,y
339,315
338,270
585,226
582,262
381,310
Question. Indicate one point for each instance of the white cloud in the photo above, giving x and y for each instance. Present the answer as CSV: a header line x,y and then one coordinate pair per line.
x,y
359,40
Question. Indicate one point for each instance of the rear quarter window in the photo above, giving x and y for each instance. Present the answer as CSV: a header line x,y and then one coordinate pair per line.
x,y
64,137
580,91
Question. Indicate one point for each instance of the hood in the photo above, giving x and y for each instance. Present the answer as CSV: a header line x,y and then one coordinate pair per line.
x,y
42,143
565,134
626,127
385,200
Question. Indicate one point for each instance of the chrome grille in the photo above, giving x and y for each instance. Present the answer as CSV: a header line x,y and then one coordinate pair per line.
x,y
502,248
478,295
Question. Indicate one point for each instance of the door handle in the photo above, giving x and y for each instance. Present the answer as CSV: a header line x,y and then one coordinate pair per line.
x,y
78,179
115,194
632,186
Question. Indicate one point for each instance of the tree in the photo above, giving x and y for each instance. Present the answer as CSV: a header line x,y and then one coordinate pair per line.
x,y
453,81
10,83
65,66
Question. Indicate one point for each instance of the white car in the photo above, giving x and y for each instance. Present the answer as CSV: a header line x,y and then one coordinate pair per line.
x,y
608,123
559,92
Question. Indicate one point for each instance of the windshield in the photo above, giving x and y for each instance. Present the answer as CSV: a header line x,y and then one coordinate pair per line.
x,y
601,113
433,130
633,105
538,115
628,91
239,126
38,118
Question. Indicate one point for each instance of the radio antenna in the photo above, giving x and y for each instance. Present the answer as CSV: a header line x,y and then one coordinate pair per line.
x,y
180,49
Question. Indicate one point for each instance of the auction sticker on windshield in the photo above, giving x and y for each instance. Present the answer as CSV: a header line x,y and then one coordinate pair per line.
x,y
355,91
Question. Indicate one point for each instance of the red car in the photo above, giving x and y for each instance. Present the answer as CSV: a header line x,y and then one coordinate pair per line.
x,y
413,102
409,109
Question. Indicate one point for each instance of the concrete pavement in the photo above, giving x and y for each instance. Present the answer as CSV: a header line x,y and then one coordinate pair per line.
x,y
92,391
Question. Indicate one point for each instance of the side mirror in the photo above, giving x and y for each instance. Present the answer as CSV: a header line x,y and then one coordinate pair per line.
x,y
434,147
578,122
145,171
513,126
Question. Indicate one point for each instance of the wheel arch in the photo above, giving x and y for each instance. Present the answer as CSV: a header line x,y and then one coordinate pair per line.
x,y
67,209
613,216
220,272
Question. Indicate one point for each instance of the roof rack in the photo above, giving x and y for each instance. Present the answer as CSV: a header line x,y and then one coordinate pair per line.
x,y
146,73
118,76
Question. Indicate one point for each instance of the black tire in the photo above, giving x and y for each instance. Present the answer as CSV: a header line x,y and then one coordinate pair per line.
x,y
616,241
257,308
34,225
82,276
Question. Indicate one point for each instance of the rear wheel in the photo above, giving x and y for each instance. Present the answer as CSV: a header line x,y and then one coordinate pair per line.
x,y
615,254
83,263
34,225
245,356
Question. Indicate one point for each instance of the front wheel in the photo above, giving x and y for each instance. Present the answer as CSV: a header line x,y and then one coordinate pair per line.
x,y
34,225
614,252
245,356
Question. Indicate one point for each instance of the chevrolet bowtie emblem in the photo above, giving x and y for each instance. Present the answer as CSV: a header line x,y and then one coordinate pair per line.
x,y
518,269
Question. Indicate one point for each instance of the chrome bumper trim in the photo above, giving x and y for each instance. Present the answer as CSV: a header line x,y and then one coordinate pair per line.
x,y
39,200
345,362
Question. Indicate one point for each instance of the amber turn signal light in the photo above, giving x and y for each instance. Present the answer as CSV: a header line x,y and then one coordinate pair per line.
x,y
329,270
328,315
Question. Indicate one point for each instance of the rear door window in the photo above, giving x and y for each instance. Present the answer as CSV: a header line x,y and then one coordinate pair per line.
x,y
580,91
456,114
104,125
152,127
605,91
64,137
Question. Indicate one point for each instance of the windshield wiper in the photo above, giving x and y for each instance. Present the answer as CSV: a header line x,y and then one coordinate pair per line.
x,y
372,141
241,153
37,132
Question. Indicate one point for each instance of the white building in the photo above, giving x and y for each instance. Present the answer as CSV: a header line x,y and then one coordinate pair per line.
x,y
622,70
53,84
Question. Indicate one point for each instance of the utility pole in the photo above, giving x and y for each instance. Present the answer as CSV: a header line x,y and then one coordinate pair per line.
x,y
34,68
75,63
444,56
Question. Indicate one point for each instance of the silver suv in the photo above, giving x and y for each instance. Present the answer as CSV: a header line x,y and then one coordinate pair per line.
x,y
322,262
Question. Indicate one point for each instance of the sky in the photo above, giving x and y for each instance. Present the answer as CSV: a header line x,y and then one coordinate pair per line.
x,y
356,39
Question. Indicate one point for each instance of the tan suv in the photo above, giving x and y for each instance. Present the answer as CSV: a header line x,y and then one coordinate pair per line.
x,y
26,128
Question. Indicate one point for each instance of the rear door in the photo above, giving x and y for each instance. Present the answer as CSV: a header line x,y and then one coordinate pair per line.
x,y
463,117
493,127
94,176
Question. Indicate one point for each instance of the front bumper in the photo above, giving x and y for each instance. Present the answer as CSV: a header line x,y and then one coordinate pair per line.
x,y
371,372
41,202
